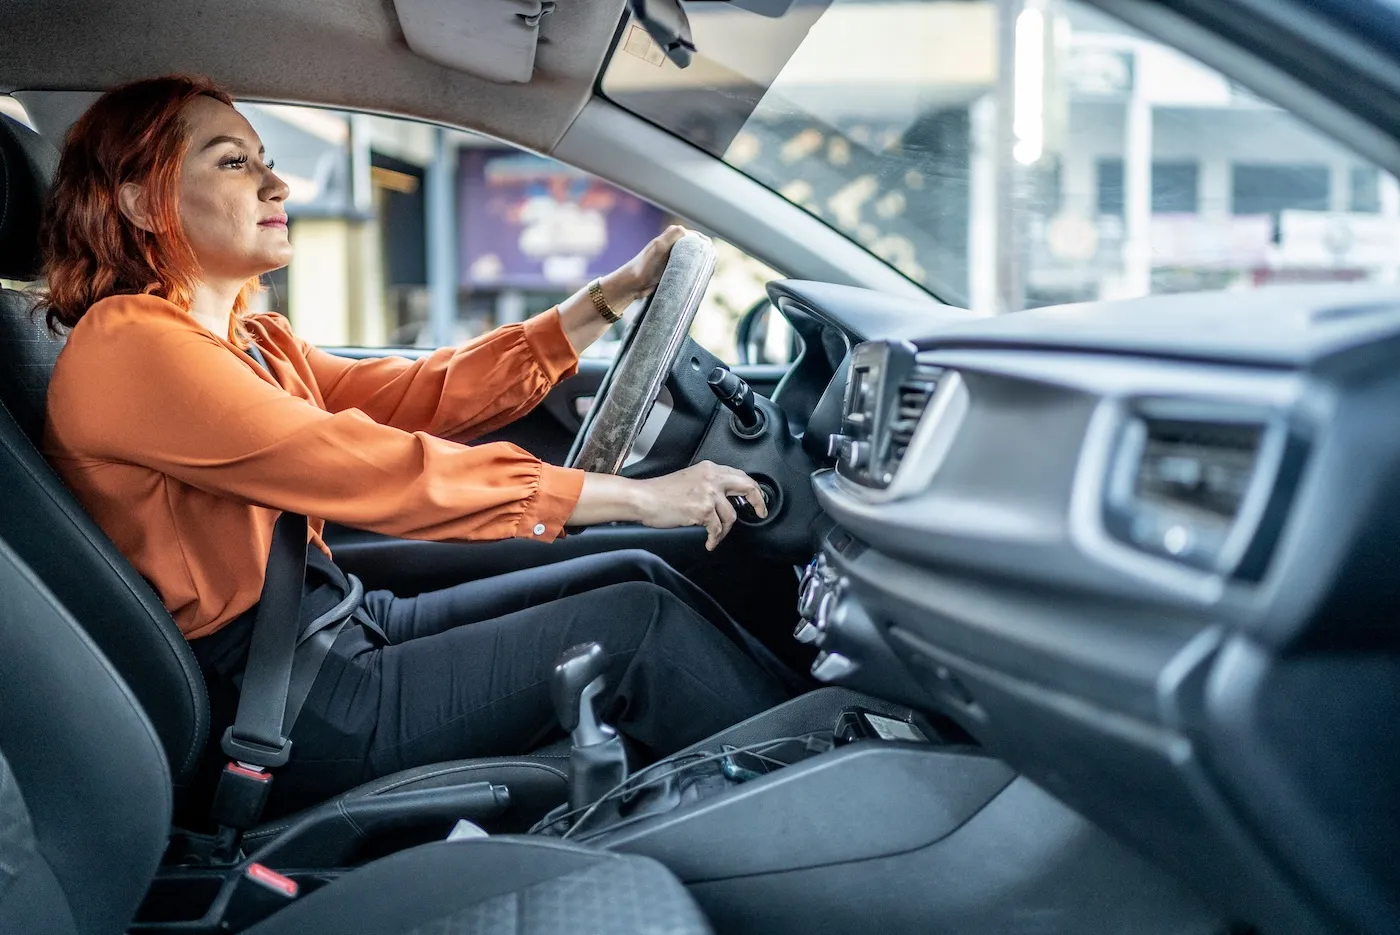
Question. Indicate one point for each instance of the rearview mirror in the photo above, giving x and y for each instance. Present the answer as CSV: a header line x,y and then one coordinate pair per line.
x,y
665,21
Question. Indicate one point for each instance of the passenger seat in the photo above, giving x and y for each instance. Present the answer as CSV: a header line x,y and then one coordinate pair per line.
x,y
85,799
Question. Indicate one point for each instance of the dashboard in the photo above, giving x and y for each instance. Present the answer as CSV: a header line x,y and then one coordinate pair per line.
x,y
1144,552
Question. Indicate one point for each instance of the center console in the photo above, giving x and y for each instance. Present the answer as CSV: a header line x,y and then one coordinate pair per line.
x,y
842,812
857,806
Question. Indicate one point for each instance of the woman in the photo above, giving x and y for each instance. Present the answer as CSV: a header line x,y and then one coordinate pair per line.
x,y
186,425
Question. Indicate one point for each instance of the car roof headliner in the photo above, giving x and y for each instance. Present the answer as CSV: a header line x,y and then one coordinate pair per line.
x,y
338,53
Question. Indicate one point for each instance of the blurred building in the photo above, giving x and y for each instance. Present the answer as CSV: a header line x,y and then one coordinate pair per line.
x,y
1007,153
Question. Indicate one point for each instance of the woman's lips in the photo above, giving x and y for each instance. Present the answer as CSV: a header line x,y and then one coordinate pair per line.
x,y
280,221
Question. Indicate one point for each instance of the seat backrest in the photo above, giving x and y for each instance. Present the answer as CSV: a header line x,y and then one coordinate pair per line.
x,y
39,517
85,796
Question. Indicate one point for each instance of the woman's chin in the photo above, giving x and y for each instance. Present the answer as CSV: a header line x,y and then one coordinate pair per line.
x,y
274,260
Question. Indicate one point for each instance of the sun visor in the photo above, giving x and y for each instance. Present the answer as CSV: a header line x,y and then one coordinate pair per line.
x,y
492,39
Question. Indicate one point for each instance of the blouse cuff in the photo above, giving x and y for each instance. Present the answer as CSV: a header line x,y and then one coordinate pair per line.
x,y
553,503
544,334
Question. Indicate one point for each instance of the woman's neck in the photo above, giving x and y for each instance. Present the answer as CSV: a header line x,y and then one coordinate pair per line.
x,y
213,305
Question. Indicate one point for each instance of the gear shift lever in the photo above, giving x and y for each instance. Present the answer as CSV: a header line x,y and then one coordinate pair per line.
x,y
598,761
578,678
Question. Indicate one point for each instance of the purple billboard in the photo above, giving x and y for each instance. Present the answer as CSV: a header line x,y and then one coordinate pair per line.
x,y
531,223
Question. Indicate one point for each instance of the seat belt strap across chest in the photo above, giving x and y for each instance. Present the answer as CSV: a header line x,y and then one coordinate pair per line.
x,y
256,737
256,742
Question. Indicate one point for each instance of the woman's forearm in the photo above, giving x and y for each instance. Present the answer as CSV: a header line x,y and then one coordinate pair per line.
x,y
624,285
607,498
581,322
695,496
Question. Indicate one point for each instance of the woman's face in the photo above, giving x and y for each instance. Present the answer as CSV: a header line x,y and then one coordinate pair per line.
x,y
230,200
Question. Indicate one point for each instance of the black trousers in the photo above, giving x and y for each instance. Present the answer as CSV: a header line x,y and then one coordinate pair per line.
x,y
466,672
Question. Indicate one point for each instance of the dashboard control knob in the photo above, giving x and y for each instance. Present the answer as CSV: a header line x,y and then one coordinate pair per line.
x,y
824,606
829,666
736,395
806,633
808,599
845,448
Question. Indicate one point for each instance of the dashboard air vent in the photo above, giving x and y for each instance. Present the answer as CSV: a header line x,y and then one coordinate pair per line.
x,y
1181,485
911,399
1201,467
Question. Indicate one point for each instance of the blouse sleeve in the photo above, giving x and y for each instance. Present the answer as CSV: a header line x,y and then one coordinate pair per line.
x,y
177,401
455,392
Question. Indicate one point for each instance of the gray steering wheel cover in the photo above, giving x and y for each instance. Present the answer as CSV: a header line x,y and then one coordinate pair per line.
x,y
637,375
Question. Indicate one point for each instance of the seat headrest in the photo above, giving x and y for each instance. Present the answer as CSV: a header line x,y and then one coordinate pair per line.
x,y
27,168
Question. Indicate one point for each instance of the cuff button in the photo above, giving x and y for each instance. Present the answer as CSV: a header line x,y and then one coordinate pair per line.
x,y
539,529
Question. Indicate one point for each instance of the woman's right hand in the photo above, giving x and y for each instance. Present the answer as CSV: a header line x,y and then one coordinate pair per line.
x,y
699,496
696,496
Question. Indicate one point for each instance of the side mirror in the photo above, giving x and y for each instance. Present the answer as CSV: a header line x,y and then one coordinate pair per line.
x,y
665,21
765,337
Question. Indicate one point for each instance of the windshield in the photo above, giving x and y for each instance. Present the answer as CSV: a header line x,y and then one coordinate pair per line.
x,y
1121,167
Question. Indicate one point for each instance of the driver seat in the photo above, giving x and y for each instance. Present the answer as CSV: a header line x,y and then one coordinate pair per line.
x,y
51,532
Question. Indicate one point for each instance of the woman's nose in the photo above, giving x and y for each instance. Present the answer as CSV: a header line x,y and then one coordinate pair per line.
x,y
274,189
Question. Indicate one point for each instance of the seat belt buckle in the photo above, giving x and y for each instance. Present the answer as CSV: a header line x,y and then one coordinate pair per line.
x,y
255,752
241,795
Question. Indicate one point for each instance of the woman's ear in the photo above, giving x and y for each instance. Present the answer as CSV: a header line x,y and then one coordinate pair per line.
x,y
134,205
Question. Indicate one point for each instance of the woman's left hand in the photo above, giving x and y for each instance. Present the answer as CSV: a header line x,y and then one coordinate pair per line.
x,y
639,276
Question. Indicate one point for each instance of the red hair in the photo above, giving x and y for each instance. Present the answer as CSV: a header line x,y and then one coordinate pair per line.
x,y
132,134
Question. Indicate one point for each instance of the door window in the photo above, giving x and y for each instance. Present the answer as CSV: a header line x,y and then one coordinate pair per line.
x,y
410,235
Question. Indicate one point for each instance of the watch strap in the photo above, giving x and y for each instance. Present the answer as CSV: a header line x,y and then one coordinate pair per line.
x,y
600,304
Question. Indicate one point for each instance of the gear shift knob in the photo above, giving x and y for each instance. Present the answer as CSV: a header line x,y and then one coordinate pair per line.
x,y
577,680
598,760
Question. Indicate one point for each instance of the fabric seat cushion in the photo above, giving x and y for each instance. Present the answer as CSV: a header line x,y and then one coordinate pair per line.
x,y
497,886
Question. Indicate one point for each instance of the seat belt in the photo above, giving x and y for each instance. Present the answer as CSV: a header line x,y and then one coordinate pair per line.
x,y
283,662
256,737
256,743
256,733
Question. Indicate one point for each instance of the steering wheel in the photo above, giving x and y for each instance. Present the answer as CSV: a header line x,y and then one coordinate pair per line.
x,y
649,350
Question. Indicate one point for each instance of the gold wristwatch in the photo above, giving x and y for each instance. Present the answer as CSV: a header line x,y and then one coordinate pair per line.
x,y
600,304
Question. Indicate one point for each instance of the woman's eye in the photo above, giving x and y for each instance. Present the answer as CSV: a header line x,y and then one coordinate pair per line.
x,y
272,164
235,162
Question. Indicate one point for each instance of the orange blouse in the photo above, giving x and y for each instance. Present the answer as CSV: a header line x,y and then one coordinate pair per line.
x,y
185,451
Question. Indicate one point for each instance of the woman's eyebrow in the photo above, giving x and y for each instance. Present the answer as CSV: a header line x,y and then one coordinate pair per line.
x,y
237,141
